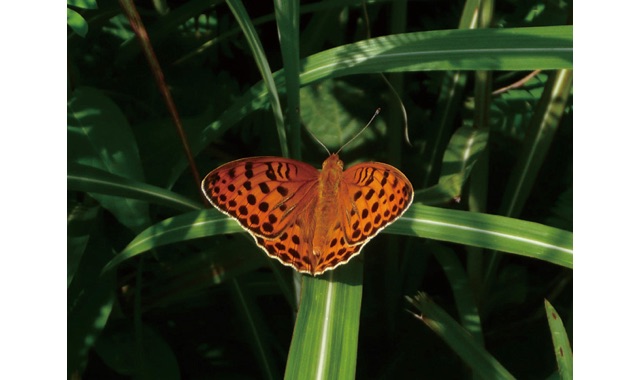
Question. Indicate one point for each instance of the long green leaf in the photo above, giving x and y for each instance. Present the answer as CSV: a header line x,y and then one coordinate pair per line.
x,y
482,230
89,179
325,338
488,231
486,49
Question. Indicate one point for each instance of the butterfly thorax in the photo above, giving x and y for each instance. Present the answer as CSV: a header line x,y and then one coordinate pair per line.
x,y
325,213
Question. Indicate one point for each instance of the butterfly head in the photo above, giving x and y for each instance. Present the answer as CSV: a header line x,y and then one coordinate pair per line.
x,y
333,161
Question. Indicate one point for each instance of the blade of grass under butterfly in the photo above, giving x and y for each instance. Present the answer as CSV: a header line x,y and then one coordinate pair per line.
x,y
481,230
325,338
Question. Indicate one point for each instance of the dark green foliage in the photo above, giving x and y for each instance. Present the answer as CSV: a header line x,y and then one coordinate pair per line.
x,y
217,307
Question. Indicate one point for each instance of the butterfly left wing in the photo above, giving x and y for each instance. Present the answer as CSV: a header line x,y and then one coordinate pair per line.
x,y
262,193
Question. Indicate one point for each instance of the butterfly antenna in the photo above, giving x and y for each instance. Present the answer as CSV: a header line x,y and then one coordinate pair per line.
x,y
362,130
315,138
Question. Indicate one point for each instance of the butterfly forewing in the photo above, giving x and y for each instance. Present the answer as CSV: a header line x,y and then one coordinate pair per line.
x,y
373,196
261,192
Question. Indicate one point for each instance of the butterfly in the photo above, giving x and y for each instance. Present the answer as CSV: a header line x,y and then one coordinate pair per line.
x,y
307,219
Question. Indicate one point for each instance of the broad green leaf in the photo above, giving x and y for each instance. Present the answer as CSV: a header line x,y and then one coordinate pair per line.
x,y
328,111
77,22
98,135
458,339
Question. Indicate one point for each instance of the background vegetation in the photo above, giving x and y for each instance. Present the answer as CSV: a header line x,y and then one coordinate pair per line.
x,y
474,281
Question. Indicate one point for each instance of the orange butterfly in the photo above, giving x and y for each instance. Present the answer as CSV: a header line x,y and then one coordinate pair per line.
x,y
310,220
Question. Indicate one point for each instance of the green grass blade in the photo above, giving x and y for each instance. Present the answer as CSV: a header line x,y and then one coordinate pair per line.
x,y
482,230
92,180
325,338
488,231
561,344
474,355
486,49
257,50
187,226
288,20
